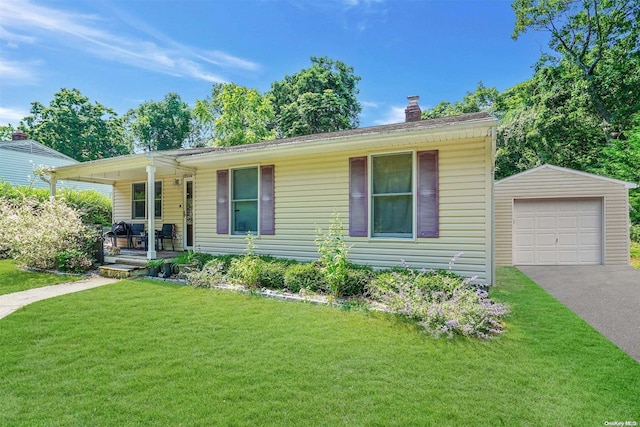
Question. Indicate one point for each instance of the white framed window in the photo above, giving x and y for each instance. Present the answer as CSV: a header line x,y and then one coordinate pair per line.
x,y
392,195
244,201
139,200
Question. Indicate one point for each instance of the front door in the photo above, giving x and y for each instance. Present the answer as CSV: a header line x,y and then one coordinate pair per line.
x,y
188,213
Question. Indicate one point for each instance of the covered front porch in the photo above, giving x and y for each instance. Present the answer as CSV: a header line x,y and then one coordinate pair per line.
x,y
150,190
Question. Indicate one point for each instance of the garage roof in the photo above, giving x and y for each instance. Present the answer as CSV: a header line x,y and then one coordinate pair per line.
x,y
628,185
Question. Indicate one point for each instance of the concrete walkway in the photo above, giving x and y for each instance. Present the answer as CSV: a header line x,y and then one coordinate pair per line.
x,y
606,297
11,302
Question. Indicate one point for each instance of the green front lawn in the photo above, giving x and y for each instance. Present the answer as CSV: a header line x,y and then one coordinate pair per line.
x,y
149,353
13,279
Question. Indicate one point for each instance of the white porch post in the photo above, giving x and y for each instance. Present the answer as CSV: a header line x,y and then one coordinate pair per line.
x,y
151,214
52,187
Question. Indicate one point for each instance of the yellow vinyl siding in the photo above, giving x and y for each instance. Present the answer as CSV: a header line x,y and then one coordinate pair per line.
x,y
308,189
172,201
553,183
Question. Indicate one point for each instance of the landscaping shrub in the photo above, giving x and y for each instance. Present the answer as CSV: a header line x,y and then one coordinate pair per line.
x,y
198,259
308,276
46,235
357,281
440,302
245,270
634,233
74,261
223,262
92,206
333,255
272,273
212,274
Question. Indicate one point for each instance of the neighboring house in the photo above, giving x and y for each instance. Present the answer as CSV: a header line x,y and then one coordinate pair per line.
x,y
557,216
21,155
419,191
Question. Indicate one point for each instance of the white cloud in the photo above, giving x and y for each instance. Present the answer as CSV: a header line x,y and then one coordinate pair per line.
x,y
11,115
17,72
369,104
13,39
392,115
89,33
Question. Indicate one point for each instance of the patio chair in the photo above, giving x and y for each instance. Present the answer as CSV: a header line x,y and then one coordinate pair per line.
x,y
119,229
136,231
168,232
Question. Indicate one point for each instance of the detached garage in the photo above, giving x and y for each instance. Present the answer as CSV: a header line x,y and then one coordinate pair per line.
x,y
556,216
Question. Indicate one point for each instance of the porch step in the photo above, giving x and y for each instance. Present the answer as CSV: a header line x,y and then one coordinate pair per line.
x,y
128,260
122,271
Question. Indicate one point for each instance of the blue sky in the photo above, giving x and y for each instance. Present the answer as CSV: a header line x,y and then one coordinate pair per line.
x,y
122,53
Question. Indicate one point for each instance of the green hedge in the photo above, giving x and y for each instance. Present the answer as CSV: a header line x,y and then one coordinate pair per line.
x,y
93,206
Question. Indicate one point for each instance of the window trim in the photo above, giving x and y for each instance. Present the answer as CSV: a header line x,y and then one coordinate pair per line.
x,y
232,201
133,201
370,196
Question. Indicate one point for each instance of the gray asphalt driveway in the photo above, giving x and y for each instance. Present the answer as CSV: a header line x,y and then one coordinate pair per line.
x,y
606,297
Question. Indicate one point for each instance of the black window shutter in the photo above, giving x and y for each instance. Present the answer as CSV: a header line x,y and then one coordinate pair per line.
x,y
358,197
428,209
267,200
222,202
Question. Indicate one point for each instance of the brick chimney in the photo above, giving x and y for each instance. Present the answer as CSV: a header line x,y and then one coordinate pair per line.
x,y
413,113
19,136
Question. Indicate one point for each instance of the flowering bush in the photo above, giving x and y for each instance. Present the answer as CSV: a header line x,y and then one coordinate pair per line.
x,y
45,234
440,301
212,274
93,207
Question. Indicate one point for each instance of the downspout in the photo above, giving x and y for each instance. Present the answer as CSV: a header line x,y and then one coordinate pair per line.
x,y
151,212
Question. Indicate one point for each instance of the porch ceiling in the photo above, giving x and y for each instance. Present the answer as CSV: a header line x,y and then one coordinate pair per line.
x,y
109,171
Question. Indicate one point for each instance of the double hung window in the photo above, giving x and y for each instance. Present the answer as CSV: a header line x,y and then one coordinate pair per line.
x,y
394,195
139,200
246,201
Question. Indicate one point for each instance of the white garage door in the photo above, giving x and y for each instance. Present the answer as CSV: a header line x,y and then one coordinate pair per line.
x,y
552,232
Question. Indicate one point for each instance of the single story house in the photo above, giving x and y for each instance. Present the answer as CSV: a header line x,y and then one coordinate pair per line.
x,y
557,216
21,155
419,191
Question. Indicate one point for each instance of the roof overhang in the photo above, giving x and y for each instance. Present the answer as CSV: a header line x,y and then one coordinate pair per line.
x,y
130,167
376,138
185,162
627,185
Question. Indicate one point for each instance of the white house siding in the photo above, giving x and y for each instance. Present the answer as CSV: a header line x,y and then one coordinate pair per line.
x,y
172,203
308,189
553,183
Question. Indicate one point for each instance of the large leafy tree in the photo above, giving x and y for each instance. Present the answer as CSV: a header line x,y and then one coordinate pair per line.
x,y
235,115
547,119
622,160
321,98
482,99
6,131
600,40
74,126
159,125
